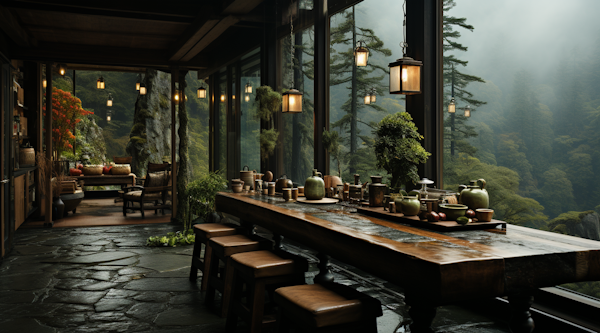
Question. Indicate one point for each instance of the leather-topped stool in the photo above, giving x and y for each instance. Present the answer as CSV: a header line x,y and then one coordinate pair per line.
x,y
222,249
328,307
204,232
260,271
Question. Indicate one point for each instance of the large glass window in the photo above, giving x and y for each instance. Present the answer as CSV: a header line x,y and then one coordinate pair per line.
x,y
249,122
197,109
220,115
532,89
349,115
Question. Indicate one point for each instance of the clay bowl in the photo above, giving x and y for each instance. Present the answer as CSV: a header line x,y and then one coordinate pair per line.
x,y
236,188
484,214
453,211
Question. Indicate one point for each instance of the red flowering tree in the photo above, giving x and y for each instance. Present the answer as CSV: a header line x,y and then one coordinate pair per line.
x,y
66,113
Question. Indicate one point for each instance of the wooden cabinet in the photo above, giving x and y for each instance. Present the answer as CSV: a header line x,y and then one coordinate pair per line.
x,y
20,200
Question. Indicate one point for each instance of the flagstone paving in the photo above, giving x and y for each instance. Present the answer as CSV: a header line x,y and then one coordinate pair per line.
x,y
104,279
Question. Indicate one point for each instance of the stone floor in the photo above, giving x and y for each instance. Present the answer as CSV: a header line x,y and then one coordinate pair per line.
x,y
104,279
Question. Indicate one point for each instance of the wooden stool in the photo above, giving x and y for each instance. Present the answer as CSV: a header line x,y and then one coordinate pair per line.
x,y
222,249
260,270
204,232
328,307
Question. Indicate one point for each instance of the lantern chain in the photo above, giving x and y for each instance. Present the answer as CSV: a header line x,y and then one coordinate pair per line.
x,y
404,44
291,46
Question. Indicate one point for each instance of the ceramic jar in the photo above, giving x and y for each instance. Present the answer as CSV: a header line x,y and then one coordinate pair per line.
x,y
314,187
247,176
376,192
282,183
475,196
408,205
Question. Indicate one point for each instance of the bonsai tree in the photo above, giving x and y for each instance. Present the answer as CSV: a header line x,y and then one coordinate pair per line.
x,y
398,149
269,102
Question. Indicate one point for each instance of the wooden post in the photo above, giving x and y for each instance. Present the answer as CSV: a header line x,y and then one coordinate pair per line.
x,y
48,139
321,84
174,78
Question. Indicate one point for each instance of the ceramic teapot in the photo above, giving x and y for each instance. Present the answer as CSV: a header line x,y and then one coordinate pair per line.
x,y
282,183
314,186
474,196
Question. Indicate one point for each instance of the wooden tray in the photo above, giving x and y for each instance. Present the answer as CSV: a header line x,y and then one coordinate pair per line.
x,y
440,225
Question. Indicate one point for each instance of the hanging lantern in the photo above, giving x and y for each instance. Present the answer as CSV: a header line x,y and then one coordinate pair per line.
x,y
405,76
247,98
292,101
373,96
100,83
222,97
137,85
201,92
248,88
44,83
176,97
367,99
361,55
109,101
233,97
142,89
62,69
108,116
452,106
468,111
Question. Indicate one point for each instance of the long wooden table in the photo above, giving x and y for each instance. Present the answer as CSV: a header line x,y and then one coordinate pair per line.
x,y
435,268
104,180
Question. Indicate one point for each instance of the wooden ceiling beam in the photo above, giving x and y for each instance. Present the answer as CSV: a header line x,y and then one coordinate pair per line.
x,y
118,9
198,29
210,36
13,29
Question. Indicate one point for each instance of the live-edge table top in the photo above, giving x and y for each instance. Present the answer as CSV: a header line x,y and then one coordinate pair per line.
x,y
444,267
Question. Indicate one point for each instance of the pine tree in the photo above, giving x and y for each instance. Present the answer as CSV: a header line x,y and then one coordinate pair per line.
x,y
361,80
457,130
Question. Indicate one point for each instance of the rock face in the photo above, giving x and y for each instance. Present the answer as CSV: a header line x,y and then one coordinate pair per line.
x,y
583,224
91,140
150,136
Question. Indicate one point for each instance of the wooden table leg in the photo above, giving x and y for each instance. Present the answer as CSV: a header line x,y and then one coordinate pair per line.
x,y
325,274
248,227
521,321
421,312
278,239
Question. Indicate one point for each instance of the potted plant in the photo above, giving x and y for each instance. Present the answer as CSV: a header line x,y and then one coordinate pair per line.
x,y
269,102
202,193
398,149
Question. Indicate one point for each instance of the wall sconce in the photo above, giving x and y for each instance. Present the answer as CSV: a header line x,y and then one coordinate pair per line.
x,y
100,83
248,88
142,89
109,101
292,101
468,111
361,54
452,106
201,92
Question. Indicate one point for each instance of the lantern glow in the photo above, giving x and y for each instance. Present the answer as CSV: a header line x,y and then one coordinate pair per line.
x,y
248,88
109,101
100,83
405,76
292,101
201,92
361,55
452,106
142,89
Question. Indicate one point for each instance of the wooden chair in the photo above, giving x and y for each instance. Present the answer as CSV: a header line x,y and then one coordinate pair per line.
x,y
154,190
326,307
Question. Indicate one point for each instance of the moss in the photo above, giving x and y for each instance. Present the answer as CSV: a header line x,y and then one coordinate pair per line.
x,y
138,129
163,101
143,114
561,229
138,140
569,218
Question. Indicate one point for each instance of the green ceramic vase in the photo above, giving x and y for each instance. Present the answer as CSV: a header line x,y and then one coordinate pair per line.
x,y
408,205
475,196
314,187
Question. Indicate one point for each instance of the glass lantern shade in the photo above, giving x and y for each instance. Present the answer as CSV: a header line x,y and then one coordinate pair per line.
x,y
62,69
405,76
467,112
109,101
201,92
292,101
100,83
137,86
373,97
222,98
176,97
247,98
108,116
248,88
367,99
361,55
142,89
44,83
452,106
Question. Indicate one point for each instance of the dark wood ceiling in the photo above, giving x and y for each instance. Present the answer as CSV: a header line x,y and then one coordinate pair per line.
x,y
190,34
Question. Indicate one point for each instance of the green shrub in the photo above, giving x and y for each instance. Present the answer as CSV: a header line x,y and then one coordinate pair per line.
x,y
172,239
202,193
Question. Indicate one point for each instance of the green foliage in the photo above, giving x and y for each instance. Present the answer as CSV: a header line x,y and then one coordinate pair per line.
x,y
398,149
268,141
172,239
590,288
202,193
269,102
331,143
